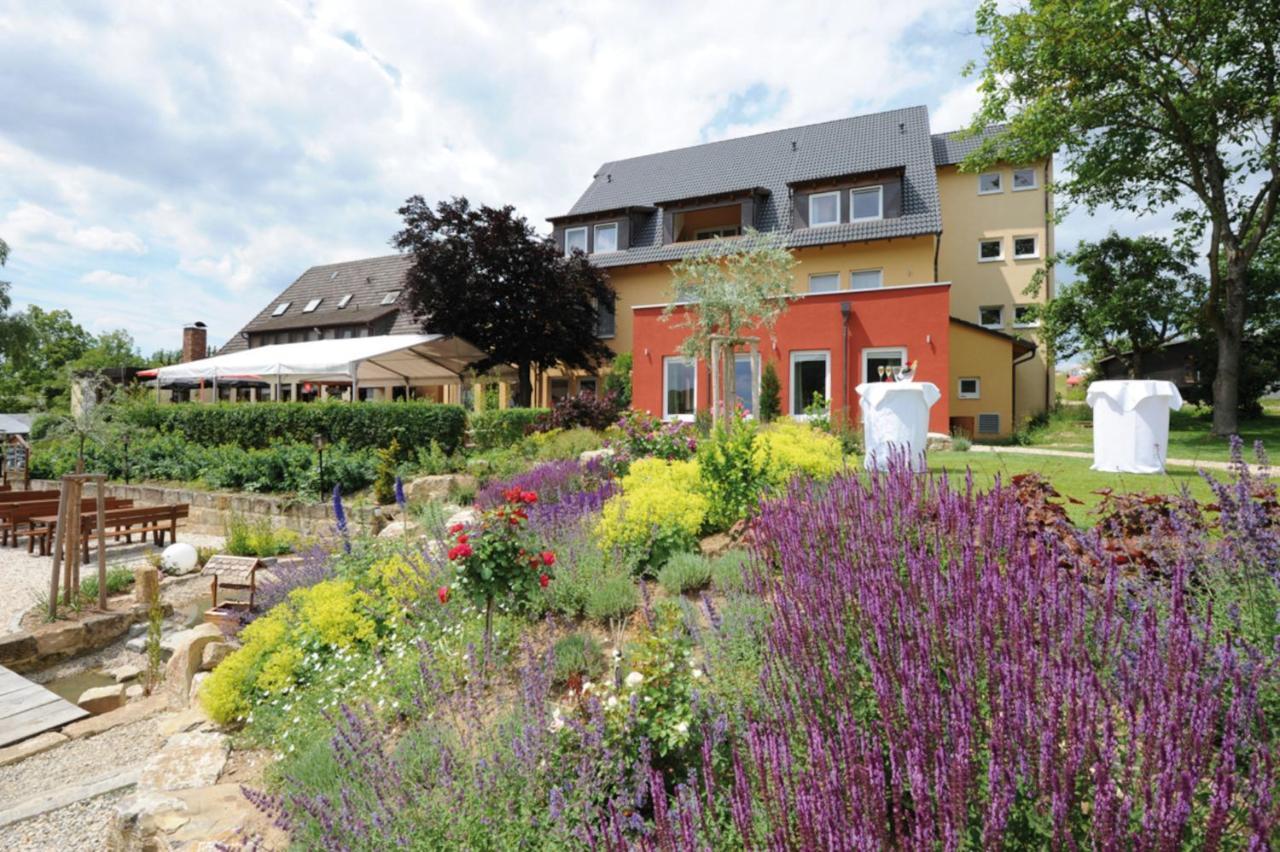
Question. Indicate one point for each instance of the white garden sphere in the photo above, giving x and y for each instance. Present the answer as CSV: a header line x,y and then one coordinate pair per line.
x,y
179,558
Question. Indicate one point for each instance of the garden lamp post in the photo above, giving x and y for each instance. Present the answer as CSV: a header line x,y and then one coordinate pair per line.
x,y
317,441
124,442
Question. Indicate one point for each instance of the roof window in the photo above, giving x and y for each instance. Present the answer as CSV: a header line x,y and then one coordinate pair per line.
x,y
312,305
390,298
344,301
280,309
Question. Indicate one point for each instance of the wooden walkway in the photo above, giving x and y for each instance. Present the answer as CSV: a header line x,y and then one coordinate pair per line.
x,y
27,709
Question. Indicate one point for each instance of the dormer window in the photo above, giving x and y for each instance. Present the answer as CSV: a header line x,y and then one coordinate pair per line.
x,y
312,305
344,301
866,203
280,309
575,239
824,209
390,298
607,237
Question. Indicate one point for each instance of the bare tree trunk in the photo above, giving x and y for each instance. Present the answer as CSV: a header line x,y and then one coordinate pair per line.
x,y
1229,324
1135,364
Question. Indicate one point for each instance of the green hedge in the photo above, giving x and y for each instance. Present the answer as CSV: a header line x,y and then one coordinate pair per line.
x,y
362,425
502,427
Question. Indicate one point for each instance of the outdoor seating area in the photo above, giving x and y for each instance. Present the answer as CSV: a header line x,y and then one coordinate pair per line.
x,y
34,515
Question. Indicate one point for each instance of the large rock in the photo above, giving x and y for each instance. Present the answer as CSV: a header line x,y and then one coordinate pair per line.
x,y
466,517
17,649
214,653
102,699
401,529
187,760
423,488
123,673
138,818
60,639
146,584
188,656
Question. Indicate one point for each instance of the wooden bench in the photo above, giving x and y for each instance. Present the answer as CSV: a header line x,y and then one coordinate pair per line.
x,y
7,497
15,516
118,523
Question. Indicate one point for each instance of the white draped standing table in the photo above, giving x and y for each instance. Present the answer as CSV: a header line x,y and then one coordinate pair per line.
x,y
1131,424
895,419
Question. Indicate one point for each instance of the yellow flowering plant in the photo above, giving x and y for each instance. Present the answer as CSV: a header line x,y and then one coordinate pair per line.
x,y
660,510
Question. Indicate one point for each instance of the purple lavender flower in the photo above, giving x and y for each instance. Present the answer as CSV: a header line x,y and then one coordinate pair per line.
x,y
340,518
399,491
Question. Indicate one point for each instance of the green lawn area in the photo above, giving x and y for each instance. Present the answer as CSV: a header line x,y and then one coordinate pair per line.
x,y
1071,428
1071,477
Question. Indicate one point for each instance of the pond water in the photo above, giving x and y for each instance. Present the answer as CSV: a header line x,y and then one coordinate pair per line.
x,y
71,687
192,612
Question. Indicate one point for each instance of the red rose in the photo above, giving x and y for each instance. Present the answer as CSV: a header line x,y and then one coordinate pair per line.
x,y
512,495
456,528
543,580
548,558
462,539
514,519
443,594
459,551
529,497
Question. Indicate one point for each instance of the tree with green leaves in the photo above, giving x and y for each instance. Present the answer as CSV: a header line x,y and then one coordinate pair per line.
x,y
1130,298
483,274
727,290
1154,104
13,332
770,393
37,378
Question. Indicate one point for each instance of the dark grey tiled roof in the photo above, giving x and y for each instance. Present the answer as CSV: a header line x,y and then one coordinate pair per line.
x,y
366,280
898,139
950,148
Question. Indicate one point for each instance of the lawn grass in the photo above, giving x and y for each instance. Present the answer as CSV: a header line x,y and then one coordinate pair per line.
x,y
1070,476
1070,427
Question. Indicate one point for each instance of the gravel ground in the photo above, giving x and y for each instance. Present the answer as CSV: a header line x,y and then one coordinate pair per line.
x,y
118,748
26,577
82,826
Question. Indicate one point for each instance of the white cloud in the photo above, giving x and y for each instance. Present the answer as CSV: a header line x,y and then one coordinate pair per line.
x,y
114,280
30,224
956,108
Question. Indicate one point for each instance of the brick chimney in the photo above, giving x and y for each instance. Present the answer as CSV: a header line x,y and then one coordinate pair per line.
x,y
195,342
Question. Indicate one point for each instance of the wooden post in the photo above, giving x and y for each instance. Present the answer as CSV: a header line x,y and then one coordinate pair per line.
x,y
71,567
59,536
100,524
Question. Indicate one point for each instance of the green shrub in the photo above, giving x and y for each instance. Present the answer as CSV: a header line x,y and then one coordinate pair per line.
x,y
685,572
770,394
612,600
366,425
577,655
736,652
961,443
257,537
789,448
502,427
119,581
618,380
434,461
728,571
561,443
660,511
733,473
384,480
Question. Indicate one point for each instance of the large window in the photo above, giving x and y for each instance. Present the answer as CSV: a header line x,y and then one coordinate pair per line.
x,y
810,380
607,237
679,388
877,364
718,232
867,203
606,319
742,383
866,279
826,282
575,238
824,209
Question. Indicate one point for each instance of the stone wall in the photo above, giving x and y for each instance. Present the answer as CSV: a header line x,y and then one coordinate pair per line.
x,y
210,509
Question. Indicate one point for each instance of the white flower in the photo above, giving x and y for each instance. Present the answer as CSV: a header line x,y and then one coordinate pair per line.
x,y
634,679
697,673
612,702
682,728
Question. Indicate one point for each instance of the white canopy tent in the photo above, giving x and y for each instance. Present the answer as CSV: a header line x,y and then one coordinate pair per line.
x,y
393,359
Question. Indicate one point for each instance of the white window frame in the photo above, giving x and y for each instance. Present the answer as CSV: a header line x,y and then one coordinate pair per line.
x,y
824,275
666,415
344,301
567,231
1016,324
604,227
996,259
880,351
312,305
280,309
999,183
853,272
812,198
389,298
755,391
799,356
1035,181
879,191
717,232
977,388
1035,252
982,308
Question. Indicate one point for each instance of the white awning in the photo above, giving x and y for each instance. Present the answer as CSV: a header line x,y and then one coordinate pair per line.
x,y
391,358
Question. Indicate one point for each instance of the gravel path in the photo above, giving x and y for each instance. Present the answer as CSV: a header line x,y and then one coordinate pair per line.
x,y
82,826
118,748
25,578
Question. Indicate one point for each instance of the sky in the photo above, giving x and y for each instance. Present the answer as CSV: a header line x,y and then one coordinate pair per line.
x,y
162,163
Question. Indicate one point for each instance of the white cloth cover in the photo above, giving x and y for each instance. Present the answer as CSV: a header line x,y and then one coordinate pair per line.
x,y
895,417
1131,424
